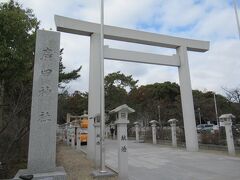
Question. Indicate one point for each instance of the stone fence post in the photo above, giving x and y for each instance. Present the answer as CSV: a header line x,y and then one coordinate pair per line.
x,y
154,134
227,119
137,130
78,138
173,130
73,137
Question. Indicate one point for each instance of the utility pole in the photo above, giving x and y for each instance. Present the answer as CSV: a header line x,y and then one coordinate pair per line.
x,y
216,111
102,94
159,116
236,13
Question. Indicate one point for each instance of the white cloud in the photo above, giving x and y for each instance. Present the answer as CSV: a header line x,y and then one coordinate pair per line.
x,y
212,20
219,24
217,68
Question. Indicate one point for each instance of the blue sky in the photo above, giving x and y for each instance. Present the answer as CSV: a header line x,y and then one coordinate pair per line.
x,y
212,20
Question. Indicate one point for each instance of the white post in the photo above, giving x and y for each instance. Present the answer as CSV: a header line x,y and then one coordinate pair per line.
x,y
97,144
107,131
62,134
73,138
137,131
122,150
229,135
68,117
228,128
154,124
78,138
173,130
94,93
187,101
68,135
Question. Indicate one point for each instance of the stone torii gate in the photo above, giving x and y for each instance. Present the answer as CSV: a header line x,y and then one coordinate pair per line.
x,y
180,60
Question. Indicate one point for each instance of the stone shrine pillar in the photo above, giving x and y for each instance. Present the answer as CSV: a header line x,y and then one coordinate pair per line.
x,y
43,123
187,101
97,141
154,133
173,130
78,138
122,121
227,119
137,130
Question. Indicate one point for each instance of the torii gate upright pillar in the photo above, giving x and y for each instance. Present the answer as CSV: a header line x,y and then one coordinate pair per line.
x,y
187,100
94,93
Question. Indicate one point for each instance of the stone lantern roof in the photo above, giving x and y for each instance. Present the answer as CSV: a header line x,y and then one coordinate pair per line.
x,y
172,120
227,116
153,121
84,116
136,123
123,107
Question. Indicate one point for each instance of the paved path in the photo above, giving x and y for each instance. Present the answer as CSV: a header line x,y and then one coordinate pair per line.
x,y
153,162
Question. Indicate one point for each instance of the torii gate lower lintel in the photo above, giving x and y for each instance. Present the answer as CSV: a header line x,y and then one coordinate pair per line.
x,y
180,60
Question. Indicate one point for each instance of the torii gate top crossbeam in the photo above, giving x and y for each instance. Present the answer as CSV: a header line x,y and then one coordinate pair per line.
x,y
85,28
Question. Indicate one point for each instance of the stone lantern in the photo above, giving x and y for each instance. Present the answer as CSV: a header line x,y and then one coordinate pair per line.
x,y
122,121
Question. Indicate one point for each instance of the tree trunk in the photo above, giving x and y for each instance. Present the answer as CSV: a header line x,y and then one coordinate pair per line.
x,y
1,103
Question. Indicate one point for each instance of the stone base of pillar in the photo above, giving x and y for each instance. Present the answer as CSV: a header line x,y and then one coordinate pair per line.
x,y
108,175
57,174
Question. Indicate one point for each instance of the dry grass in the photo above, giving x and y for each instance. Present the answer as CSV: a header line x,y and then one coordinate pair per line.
x,y
75,163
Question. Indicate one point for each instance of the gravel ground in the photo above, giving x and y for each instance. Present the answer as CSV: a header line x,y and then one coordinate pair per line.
x,y
75,164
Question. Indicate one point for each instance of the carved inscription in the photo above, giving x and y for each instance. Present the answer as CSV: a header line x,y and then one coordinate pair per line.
x,y
98,139
124,149
44,117
46,72
47,54
123,138
44,91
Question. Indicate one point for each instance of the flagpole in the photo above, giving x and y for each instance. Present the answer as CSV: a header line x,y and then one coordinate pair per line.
x,y
102,94
237,19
